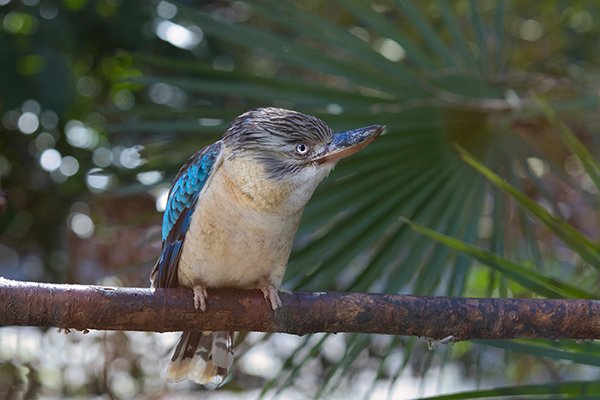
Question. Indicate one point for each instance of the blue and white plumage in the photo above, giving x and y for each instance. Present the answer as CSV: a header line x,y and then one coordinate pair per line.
x,y
181,203
232,215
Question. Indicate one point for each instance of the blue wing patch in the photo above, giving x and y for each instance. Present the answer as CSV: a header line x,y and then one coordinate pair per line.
x,y
181,203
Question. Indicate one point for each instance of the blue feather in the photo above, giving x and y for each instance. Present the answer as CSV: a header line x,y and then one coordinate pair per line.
x,y
188,184
183,197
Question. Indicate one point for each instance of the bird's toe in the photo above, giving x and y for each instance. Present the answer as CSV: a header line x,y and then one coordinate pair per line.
x,y
271,293
200,296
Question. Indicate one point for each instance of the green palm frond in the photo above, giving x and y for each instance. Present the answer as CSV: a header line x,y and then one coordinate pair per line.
x,y
583,245
587,353
573,390
525,275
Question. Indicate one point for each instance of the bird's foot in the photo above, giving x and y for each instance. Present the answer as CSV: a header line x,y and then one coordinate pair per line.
x,y
271,293
200,296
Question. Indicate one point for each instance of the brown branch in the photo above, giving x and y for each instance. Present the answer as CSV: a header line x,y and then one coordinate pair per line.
x,y
107,308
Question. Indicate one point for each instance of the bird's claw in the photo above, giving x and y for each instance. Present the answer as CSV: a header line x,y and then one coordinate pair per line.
x,y
200,296
271,293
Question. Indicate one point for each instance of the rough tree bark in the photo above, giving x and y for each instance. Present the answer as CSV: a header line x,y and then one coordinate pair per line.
x,y
109,308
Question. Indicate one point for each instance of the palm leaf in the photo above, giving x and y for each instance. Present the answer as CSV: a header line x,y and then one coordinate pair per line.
x,y
584,246
591,165
576,389
522,274
587,353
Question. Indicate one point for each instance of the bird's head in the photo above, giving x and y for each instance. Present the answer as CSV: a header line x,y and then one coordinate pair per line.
x,y
293,149
289,143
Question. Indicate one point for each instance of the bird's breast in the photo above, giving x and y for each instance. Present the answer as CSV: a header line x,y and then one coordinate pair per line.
x,y
231,242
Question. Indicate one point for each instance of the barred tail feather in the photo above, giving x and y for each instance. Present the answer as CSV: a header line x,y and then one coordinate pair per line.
x,y
203,357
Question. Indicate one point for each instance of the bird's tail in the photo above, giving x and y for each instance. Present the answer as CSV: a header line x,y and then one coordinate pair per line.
x,y
204,357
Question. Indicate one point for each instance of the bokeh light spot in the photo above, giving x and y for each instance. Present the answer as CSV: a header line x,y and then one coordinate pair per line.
x,y
149,177
531,30
28,123
124,99
49,119
33,267
87,86
537,166
44,141
334,109
166,10
48,10
210,121
10,119
81,135
20,23
179,35
81,225
161,200
360,33
69,166
31,106
97,181
50,160
130,157
13,22
161,93
582,21
5,166
260,360
390,49
102,157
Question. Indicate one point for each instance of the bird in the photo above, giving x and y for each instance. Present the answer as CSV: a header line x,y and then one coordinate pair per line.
x,y
232,214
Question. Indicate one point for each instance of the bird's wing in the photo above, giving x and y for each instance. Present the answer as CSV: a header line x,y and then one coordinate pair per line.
x,y
187,188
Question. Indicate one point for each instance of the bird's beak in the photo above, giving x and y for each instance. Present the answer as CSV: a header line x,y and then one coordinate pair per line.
x,y
345,144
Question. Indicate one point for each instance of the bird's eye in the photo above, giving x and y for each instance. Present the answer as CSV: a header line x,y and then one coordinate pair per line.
x,y
301,149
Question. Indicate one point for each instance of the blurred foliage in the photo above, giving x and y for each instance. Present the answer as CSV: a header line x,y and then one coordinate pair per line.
x,y
490,150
